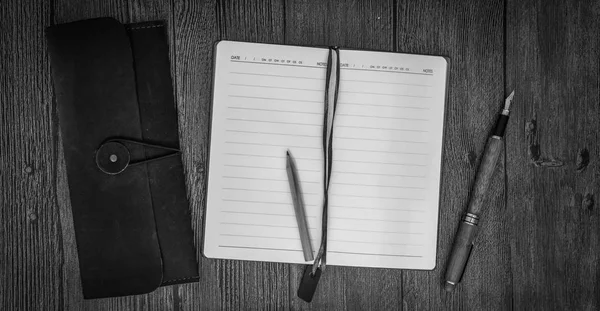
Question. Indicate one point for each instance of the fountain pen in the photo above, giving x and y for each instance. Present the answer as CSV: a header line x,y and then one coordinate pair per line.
x,y
468,227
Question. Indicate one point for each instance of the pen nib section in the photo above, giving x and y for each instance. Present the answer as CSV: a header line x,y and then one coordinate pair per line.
x,y
461,251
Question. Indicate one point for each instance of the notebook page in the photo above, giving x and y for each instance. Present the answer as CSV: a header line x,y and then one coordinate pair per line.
x,y
261,108
384,195
387,152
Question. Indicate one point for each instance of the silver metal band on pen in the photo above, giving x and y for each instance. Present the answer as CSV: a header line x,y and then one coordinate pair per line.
x,y
471,219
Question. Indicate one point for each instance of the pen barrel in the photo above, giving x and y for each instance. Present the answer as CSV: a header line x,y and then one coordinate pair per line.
x,y
485,173
461,249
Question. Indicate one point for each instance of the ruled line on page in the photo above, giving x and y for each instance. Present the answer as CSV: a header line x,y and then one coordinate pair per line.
x,y
272,75
379,174
267,133
382,140
268,168
264,190
385,186
377,197
381,128
323,90
338,229
261,248
263,202
384,94
378,70
266,156
392,106
261,237
268,179
377,243
381,151
272,110
253,155
379,209
315,239
379,220
377,162
270,145
377,231
272,122
276,87
373,254
384,82
280,99
260,225
321,79
381,117
264,214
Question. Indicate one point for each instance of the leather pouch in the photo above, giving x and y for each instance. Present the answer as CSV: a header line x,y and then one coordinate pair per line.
x,y
119,130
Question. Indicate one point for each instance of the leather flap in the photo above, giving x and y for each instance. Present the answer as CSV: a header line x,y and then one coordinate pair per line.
x,y
96,98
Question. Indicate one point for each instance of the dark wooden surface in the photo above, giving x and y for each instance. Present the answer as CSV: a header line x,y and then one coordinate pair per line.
x,y
540,243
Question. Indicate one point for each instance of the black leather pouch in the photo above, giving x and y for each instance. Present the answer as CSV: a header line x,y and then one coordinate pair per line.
x,y
118,123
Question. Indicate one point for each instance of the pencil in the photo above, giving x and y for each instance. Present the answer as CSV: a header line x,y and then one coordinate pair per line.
x,y
298,201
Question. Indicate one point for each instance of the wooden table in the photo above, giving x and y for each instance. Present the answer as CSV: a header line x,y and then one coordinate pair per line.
x,y
540,244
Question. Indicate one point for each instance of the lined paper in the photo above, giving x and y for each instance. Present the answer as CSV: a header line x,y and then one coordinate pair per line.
x,y
386,155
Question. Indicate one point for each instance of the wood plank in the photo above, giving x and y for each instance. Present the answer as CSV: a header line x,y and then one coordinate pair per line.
x,y
227,284
357,24
224,284
471,35
65,11
258,21
552,61
360,25
195,32
30,243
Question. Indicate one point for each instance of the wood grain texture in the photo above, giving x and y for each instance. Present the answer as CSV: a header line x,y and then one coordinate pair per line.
x,y
240,284
538,247
359,25
30,241
552,61
471,35
195,32
364,24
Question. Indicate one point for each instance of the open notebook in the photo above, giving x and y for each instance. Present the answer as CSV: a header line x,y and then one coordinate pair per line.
x,y
387,144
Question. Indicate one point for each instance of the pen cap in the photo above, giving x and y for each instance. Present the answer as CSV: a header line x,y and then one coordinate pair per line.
x,y
461,250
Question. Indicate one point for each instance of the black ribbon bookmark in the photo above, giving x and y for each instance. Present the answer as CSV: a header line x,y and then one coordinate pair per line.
x,y
311,276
